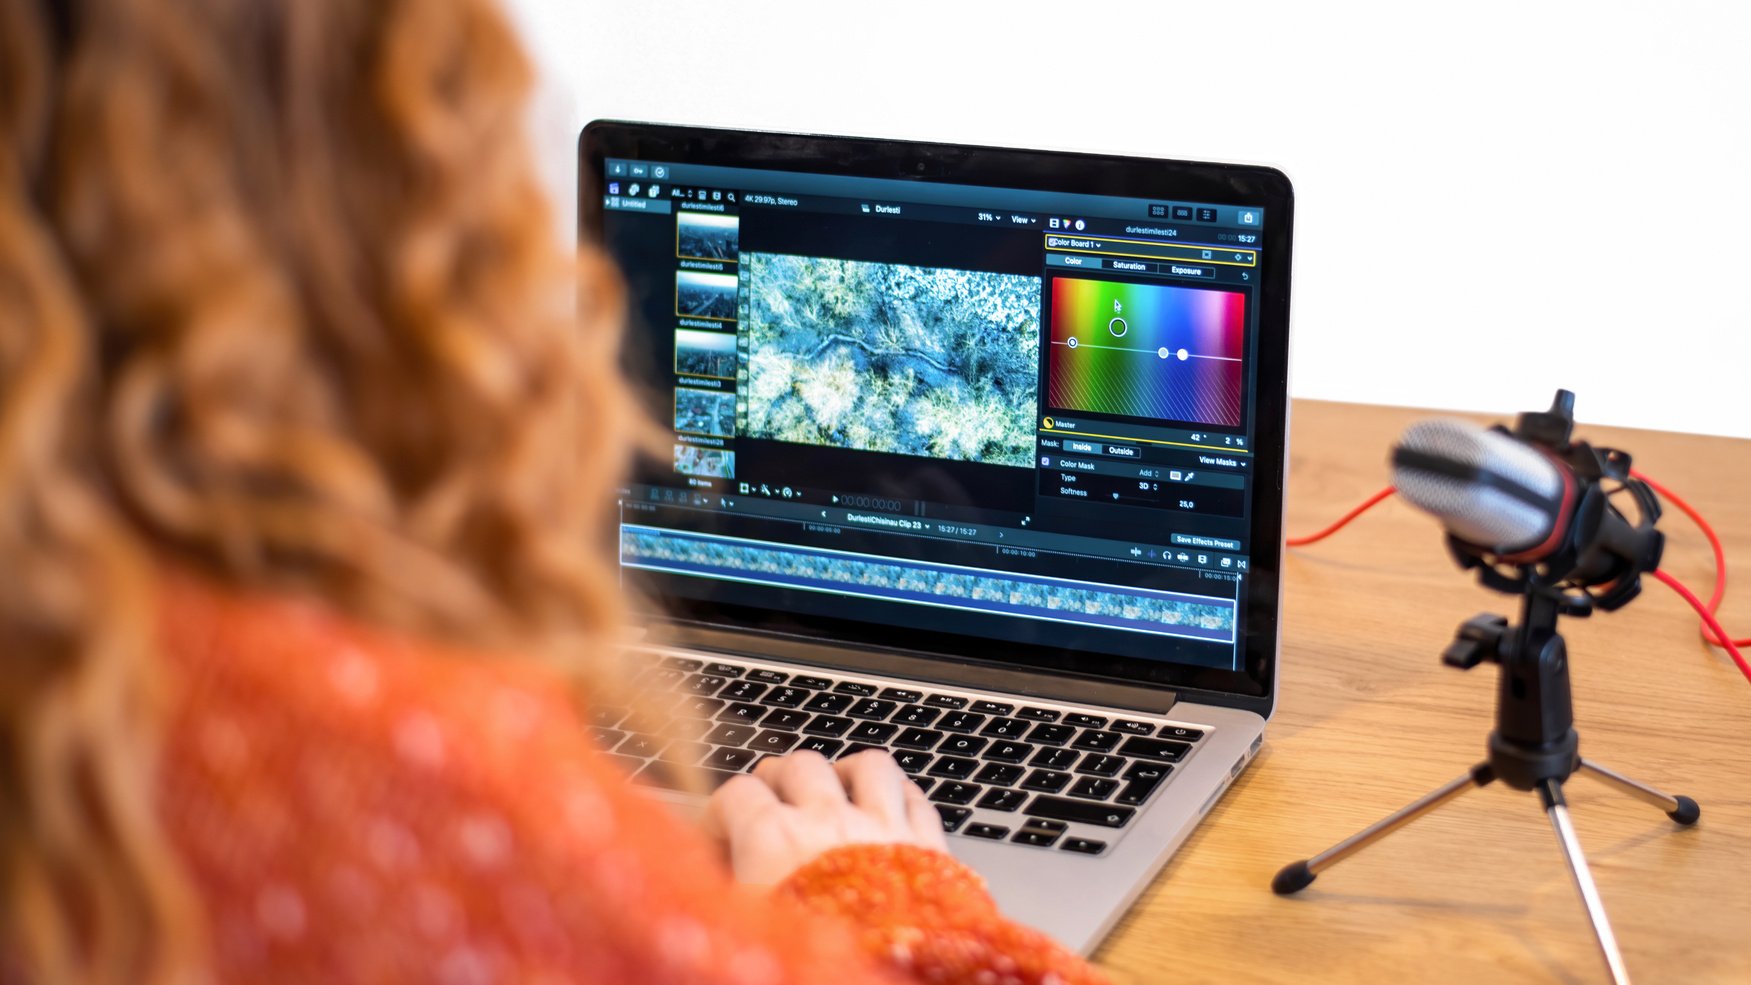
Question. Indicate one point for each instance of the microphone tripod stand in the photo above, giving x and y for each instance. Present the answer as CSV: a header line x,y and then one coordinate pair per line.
x,y
1534,746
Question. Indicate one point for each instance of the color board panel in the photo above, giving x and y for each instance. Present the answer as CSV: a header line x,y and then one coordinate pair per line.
x,y
1157,352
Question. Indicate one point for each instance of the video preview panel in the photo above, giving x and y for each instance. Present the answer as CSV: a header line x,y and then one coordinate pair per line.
x,y
1159,352
892,358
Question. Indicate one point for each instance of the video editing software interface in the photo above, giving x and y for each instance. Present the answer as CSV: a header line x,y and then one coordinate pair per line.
x,y
1019,415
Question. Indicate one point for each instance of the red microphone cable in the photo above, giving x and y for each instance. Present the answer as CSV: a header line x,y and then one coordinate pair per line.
x,y
1711,630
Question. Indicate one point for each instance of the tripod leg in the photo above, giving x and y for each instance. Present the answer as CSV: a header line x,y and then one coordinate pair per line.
x,y
1297,876
1551,793
1680,809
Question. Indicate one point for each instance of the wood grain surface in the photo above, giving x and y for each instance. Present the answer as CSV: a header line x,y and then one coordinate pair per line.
x,y
1369,720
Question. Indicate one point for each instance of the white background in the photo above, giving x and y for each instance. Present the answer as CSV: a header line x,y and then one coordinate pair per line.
x,y
1493,199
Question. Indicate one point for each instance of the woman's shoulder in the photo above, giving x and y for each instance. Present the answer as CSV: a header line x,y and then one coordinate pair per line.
x,y
325,780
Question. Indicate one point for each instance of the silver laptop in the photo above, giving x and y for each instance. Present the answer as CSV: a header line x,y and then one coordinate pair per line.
x,y
977,457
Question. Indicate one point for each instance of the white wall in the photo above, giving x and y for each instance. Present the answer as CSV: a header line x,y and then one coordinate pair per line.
x,y
1493,199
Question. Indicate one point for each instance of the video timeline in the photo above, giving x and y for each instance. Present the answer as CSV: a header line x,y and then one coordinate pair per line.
x,y
1160,613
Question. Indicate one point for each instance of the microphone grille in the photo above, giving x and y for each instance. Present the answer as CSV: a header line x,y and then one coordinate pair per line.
x,y
1475,507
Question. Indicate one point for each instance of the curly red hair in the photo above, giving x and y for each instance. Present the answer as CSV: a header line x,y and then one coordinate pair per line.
x,y
280,304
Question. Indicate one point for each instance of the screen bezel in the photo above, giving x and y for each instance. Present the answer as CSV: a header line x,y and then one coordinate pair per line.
x,y
1253,686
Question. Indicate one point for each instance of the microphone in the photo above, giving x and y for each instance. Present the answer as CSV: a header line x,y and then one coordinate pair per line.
x,y
1486,488
1530,508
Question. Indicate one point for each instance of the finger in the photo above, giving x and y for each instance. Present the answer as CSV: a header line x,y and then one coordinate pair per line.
x,y
925,822
806,779
734,804
875,782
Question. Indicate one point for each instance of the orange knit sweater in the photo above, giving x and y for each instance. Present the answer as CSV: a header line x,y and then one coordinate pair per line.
x,y
360,808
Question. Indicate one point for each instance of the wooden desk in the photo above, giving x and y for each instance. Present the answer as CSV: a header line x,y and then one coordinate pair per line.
x,y
1369,720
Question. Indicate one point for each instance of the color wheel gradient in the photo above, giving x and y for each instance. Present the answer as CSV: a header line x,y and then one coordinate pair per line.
x,y
1117,349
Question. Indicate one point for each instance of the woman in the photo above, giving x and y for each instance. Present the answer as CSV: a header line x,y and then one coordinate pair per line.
x,y
292,384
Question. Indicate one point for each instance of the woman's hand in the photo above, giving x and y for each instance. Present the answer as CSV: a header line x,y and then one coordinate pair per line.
x,y
794,808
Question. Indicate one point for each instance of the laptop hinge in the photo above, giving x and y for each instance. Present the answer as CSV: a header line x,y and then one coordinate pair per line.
x,y
957,672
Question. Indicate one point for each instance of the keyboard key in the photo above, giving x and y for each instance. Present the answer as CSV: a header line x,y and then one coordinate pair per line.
x,y
607,716
1094,788
995,832
1041,837
1008,752
786,697
1134,728
729,735
1086,846
831,704
768,676
1005,728
725,670
812,683
661,680
1045,781
918,738
963,745
704,684
945,701
1100,765
827,725
1181,733
1082,812
855,687
1002,800
961,721
1085,721
1038,714
626,764
1056,759
924,782
774,743
1100,741
952,817
1166,750
914,715
954,768
784,718
912,762
1141,780
1001,774
689,728
955,792
877,732
645,746
699,707
857,747
686,665
993,708
873,709
743,713
606,738
686,753
902,695
1051,735
743,690
730,759
815,743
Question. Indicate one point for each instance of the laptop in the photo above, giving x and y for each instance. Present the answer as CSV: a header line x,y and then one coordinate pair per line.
x,y
977,457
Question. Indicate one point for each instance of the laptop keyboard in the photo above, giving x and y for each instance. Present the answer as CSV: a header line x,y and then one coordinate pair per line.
x,y
1034,774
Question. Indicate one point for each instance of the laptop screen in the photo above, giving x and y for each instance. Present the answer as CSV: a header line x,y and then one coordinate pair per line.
x,y
976,419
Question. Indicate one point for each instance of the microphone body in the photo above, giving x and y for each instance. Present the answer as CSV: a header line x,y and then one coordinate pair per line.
x,y
1485,487
1530,507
